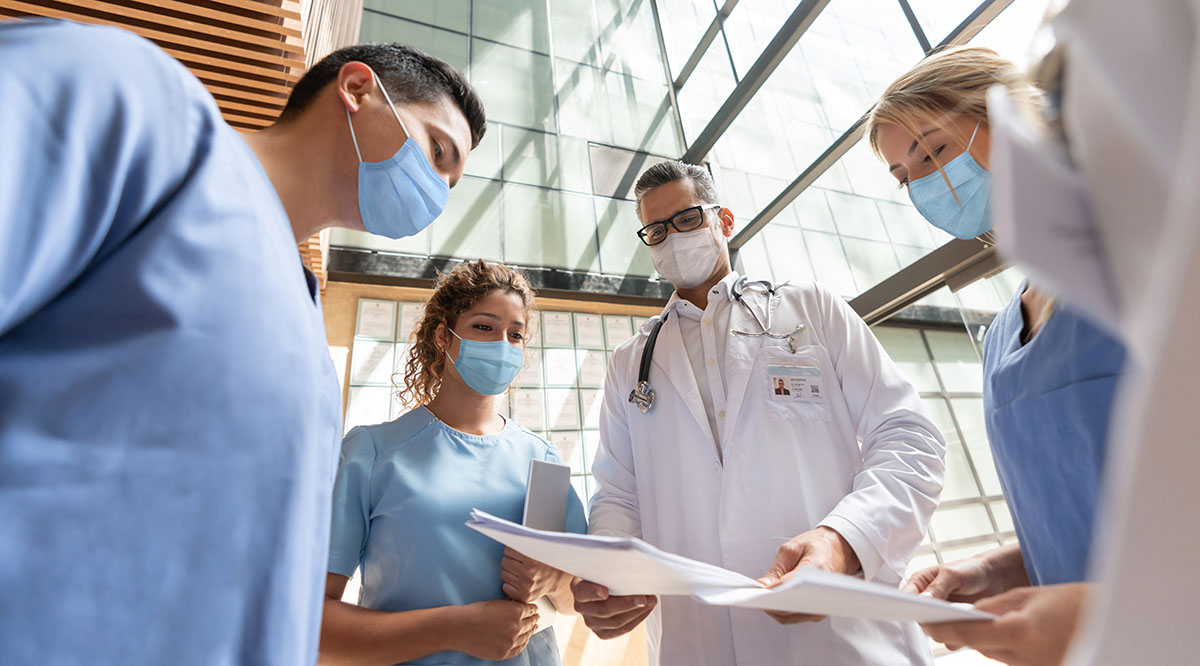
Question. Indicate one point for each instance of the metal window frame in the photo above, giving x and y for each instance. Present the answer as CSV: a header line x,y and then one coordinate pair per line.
x,y
955,264
918,31
706,40
781,44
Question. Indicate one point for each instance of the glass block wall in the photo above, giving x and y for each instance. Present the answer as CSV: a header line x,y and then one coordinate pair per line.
x,y
943,366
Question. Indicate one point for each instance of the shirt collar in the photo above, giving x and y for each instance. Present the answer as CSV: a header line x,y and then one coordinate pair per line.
x,y
722,289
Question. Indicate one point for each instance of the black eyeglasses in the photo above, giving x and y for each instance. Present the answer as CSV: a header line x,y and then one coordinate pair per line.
x,y
688,219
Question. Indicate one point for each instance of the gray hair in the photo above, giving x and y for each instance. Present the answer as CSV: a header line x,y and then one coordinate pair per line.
x,y
668,172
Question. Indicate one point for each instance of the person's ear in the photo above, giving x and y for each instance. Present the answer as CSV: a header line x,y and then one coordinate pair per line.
x,y
355,84
439,338
726,217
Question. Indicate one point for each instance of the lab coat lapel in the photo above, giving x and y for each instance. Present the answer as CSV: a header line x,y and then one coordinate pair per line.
x,y
671,358
741,350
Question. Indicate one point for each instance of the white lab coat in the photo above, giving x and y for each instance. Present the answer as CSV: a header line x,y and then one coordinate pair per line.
x,y
1131,111
786,469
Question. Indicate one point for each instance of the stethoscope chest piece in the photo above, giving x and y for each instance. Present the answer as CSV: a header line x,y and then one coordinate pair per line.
x,y
642,397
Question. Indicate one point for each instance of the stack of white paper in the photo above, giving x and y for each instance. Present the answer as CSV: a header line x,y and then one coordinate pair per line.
x,y
820,592
624,566
632,566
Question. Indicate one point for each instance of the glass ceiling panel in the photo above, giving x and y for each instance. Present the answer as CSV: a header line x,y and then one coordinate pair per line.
x,y
751,26
706,89
851,52
939,17
684,23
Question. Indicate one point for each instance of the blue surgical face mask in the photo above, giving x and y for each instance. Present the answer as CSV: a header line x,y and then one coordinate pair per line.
x,y
487,367
969,215
400,196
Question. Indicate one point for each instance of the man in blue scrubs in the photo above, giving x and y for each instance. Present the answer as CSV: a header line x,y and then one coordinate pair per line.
x,y
169,415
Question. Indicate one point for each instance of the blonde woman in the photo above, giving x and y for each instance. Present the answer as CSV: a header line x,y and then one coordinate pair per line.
x,y
434,591
1049,375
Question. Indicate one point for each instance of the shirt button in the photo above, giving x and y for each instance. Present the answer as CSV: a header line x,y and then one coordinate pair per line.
x,y
710,361
722,414
707,320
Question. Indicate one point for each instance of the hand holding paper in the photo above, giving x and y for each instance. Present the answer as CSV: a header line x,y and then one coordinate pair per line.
x,y
633,567
822,548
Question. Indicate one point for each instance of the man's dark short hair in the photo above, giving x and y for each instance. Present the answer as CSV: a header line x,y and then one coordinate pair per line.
x,y
668,172
410,76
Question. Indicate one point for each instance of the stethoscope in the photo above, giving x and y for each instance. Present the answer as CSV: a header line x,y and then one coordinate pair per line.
x,y
642,396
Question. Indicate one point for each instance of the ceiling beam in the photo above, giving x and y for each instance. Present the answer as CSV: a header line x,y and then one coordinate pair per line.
x,y
706,40
781,44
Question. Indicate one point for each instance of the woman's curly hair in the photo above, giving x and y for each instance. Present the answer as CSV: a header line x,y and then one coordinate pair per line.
x,y
455,293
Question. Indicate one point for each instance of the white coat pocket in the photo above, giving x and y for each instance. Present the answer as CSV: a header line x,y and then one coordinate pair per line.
x,y
794,383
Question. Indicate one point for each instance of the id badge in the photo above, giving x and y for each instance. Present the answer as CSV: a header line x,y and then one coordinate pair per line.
x,y
794,383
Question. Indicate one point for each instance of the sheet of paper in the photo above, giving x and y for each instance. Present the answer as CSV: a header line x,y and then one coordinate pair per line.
x,y
563,405
528,408
617,329
631,566
531,371
410,314
368,405
371,362
825,593
562,367
591,368
590,402
570,449
556,329
376,319
589,331
624,566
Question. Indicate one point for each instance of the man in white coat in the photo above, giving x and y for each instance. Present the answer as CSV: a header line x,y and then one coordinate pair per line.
x,y
841,472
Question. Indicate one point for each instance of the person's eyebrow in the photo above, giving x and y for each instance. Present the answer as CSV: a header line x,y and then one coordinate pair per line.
x,y
673,215
923,135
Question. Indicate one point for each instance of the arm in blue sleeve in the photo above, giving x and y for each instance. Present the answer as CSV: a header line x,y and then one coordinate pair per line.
x,y
351,502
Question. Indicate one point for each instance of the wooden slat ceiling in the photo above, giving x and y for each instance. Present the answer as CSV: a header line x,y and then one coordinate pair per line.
x,y
248,53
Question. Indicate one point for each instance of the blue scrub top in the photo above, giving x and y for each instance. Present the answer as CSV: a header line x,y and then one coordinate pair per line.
x,y
404,492
168,408
1047,406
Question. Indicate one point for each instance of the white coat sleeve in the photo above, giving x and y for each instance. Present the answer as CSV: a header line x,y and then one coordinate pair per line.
x,y
614,507
886,514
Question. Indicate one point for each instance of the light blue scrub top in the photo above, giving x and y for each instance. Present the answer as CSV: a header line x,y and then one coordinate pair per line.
x,y
168,408
404,492
1047,406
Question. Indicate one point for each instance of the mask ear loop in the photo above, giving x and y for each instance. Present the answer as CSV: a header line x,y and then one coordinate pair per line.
x,y
447,350
973,133
352,137
387,97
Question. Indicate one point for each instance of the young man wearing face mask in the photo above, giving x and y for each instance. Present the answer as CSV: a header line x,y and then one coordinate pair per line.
x,y
726,468
169,415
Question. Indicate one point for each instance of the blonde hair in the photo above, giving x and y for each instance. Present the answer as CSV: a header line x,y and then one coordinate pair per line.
x,y
952,82
453,294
